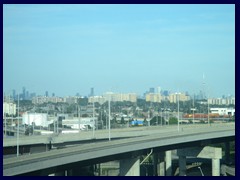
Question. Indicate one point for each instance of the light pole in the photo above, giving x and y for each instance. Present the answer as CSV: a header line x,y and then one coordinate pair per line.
x,y
109,128
79,110
178,110
18,130
93,121
193,110
5,124
161,117
208,110
12,116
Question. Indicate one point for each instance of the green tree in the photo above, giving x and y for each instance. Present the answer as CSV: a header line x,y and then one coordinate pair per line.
x,y
122,120
173,120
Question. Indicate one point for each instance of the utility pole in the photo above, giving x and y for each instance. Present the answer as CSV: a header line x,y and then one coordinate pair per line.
x,y
109,117
193,109
78,118
208,111
5,124
178,111
93,121
161,117
18,129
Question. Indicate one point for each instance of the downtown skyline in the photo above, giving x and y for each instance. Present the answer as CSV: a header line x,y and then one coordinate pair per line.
x,y
67,49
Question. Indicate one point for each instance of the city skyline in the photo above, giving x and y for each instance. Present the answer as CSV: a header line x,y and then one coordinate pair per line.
x,y
27,94
68,49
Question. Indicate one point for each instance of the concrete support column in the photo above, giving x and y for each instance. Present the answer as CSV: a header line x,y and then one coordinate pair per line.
x,y
69,172
182,166
204,152
130,167
215,167
227,152
155,163
161,165
168,160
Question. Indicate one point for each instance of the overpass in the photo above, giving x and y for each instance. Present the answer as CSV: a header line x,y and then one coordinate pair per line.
x,y
142,141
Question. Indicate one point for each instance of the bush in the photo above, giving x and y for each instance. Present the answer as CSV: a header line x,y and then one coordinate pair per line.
x,y
173,120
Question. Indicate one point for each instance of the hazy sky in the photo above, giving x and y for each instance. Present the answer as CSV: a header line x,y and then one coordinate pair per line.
x,y
67,49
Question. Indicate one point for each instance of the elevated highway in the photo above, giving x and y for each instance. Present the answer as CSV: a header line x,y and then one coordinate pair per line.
x,y
103,134
141,141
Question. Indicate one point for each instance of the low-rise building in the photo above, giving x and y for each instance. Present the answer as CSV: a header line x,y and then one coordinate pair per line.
x,y
223,111
9,108
154,97
173,98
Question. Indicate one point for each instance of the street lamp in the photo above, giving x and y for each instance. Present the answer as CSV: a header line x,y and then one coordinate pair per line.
x,y
161,117
109,125
178,108
79,111
18,130
93,121
208,110
193,110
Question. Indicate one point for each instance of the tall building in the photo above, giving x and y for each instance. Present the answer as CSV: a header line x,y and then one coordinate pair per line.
x,y
165,93
153,97
92,92
23,93
46,93
173,98
151,90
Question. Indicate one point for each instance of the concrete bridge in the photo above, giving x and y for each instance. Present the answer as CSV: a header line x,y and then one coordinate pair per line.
x,y
130,144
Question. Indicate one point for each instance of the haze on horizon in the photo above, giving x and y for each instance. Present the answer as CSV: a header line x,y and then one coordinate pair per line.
x,y
67,49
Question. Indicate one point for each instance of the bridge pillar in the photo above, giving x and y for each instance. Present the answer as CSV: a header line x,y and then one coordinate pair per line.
x,y
203,152
168,160
130,167
155,164
215,167
182,166
161,165
227,152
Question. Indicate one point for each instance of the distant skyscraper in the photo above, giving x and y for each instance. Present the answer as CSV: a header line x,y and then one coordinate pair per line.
x,y
46,93
165,93
92,92
53,94
23,93
151,90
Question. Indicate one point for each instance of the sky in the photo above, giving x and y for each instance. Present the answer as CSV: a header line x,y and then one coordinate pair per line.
x,y
68,49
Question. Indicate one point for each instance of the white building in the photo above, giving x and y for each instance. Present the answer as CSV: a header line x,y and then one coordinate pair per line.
x,y
39,119
173,98
114,97
222,101
9,108
223,111
74,123
99,99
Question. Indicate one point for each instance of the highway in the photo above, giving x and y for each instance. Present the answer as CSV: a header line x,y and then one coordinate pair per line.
x,y
103,134
142,139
